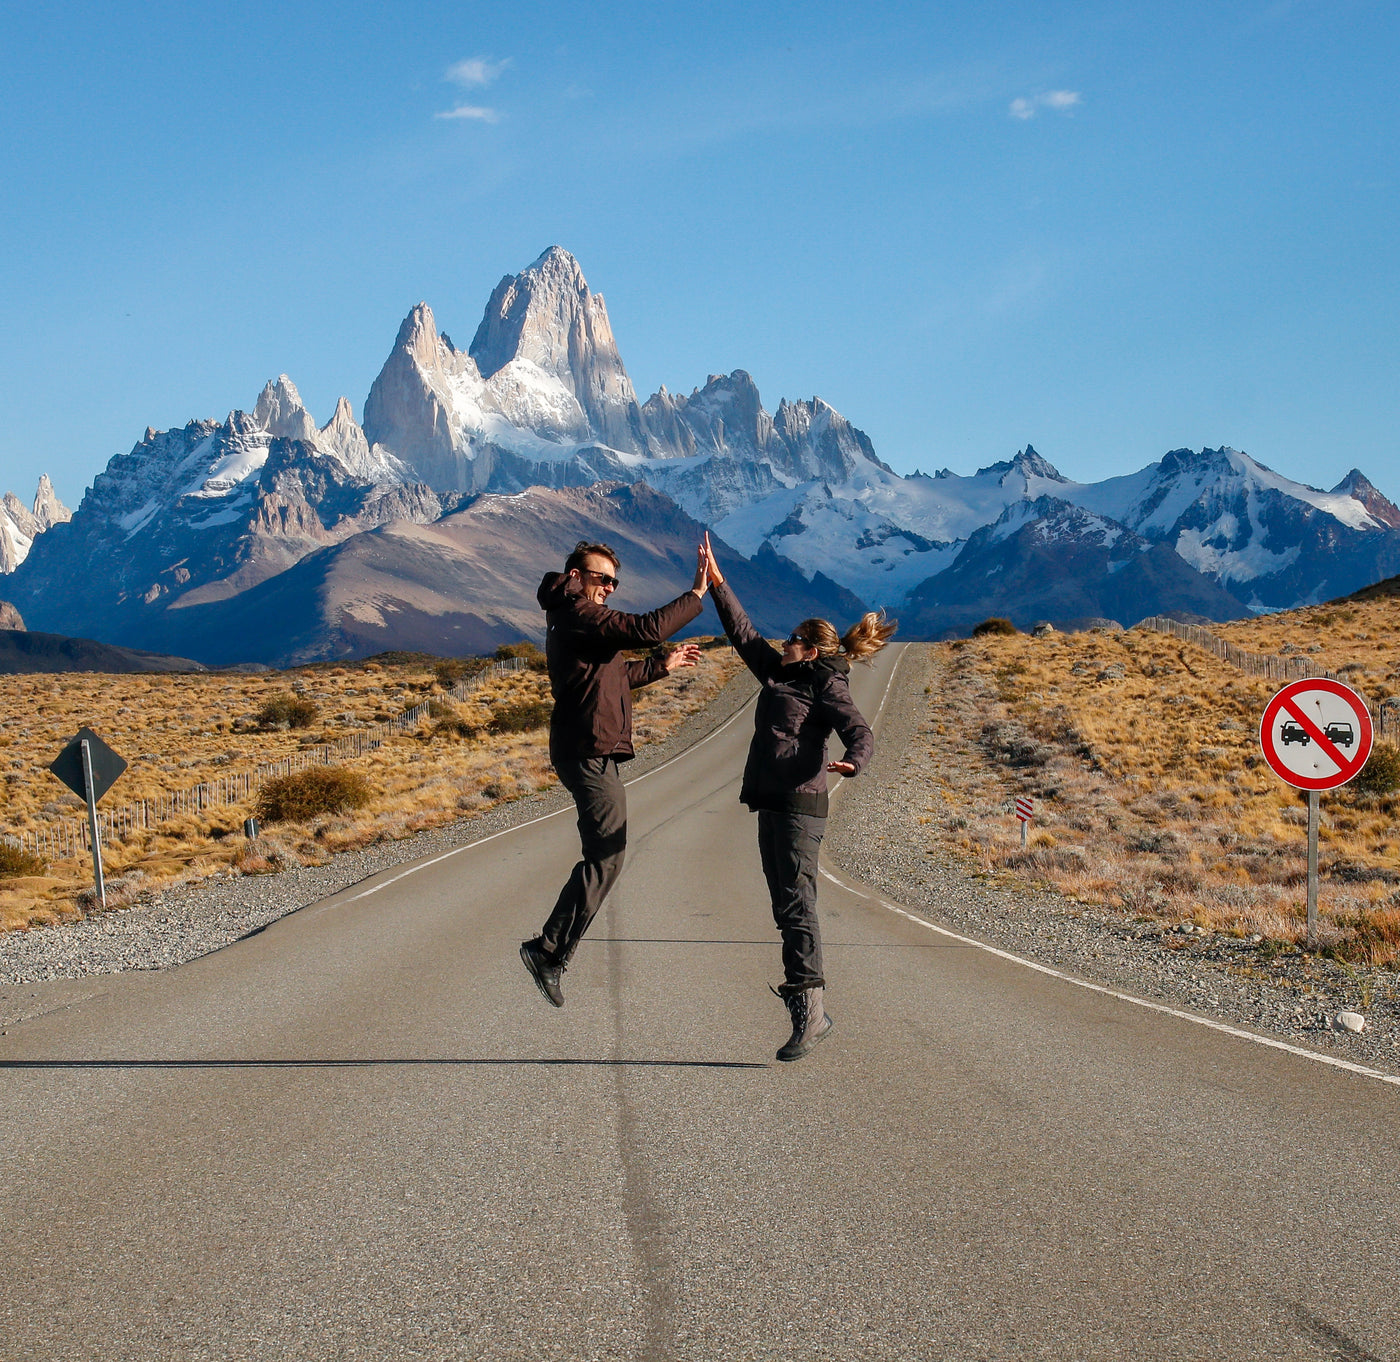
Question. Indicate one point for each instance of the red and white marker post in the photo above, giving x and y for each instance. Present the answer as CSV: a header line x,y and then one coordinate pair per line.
x,y
1316,735
1025,810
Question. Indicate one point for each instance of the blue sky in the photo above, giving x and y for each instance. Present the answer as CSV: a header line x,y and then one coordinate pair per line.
x,y
1107,230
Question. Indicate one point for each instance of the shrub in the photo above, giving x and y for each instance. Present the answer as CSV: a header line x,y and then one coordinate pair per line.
x,y
451,670
121,892
995,625
16,861
286,708
452,728
521,717
1381,774
533,657
306,794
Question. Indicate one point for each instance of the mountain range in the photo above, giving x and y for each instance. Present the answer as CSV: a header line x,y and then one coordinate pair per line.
x,y
266,537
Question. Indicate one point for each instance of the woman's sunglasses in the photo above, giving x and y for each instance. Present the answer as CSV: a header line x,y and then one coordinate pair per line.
x,y
797,638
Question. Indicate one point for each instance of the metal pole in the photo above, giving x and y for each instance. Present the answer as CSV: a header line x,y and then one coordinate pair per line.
x,y
92,825
1312,865
1023,834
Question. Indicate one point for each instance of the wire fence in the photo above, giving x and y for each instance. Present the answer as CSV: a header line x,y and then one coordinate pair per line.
x,y
69,837
1385,718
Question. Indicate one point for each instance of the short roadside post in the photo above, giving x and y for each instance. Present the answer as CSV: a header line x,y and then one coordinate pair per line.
x,y
1025,810
90,768
1316,735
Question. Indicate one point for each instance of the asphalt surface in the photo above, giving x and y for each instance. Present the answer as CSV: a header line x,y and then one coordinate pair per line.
x,y
362,1133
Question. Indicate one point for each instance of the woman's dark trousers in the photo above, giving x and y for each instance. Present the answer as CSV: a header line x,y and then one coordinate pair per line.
x,y
601,800
787,845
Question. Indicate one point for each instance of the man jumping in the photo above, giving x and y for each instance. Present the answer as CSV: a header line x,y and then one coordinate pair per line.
x,y
591,730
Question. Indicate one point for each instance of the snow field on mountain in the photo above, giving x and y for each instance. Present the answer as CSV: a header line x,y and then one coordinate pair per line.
x,y
1152,797
179,730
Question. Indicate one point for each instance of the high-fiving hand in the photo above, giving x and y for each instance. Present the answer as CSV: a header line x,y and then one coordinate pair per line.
x,y
707,557
687,655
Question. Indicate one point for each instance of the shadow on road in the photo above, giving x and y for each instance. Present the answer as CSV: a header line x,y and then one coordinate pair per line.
x,y
369,1063
769,943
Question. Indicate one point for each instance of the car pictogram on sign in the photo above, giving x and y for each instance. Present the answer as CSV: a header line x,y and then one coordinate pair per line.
x,y
1291,732
1341,734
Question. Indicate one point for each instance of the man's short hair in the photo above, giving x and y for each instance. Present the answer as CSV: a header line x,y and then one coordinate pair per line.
x,y
583,549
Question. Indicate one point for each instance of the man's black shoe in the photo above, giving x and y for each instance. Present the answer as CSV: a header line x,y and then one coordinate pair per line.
x,y
544,973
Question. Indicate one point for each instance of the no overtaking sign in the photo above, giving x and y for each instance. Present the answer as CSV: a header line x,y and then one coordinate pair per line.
x,y
1316,734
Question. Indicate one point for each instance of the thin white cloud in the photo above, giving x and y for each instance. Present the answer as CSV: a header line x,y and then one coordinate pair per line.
x,y
475,71
471,111
1061,101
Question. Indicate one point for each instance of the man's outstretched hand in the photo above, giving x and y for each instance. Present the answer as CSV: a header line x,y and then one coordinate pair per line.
x,y
686,655
842,768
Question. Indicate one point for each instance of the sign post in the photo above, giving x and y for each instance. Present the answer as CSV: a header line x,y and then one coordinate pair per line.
x,y
90,768
1316,735
88,787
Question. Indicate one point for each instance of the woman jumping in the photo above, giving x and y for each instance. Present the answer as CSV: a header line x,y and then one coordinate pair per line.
x,y
805,698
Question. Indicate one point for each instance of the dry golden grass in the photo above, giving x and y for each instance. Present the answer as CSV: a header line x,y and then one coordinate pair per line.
x,y
1152,794
176,731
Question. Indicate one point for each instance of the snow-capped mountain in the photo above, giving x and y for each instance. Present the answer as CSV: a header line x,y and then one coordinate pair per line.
x,y
1049,559
20,527
1271,542
542,399
208,511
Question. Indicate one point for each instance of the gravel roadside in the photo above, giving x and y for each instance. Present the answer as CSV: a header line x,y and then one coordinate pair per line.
x,y
876,836
50,967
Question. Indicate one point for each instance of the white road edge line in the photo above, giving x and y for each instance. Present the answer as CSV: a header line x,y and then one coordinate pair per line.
x,y
1224,1027
544,817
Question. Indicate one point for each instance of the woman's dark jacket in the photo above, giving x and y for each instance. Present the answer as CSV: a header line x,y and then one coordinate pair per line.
x,y
592,682
799,706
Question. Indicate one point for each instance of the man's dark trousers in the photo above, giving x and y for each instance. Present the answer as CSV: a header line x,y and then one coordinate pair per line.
x,y
601,799
788,844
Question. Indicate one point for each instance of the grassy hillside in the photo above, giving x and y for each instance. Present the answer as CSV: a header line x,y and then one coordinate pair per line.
x,y
176,731
1143,754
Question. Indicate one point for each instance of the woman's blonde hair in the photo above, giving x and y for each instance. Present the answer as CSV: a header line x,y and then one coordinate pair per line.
x,y
860,642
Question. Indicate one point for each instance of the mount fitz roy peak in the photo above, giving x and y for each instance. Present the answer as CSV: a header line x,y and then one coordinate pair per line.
x,y
542,400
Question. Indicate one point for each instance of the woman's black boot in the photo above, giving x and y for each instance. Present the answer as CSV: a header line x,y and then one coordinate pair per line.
x,y
810,1020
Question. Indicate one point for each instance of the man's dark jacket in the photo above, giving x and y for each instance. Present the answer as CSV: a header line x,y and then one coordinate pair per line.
x,y
592,682
799,706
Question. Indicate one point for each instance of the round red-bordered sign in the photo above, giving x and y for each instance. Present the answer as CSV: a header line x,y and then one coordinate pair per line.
x,y
1316,734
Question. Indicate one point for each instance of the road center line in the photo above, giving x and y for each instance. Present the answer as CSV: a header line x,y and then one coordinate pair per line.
x,y
1223,1027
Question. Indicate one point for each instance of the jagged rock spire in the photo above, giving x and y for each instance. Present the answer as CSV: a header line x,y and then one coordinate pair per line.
x,y
281,412
48,509
547,315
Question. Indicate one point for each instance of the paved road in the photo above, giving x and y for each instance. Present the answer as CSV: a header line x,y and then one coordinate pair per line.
x,y
363,1134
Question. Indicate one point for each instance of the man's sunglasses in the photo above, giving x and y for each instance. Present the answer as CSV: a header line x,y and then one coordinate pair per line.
x,y
607,579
